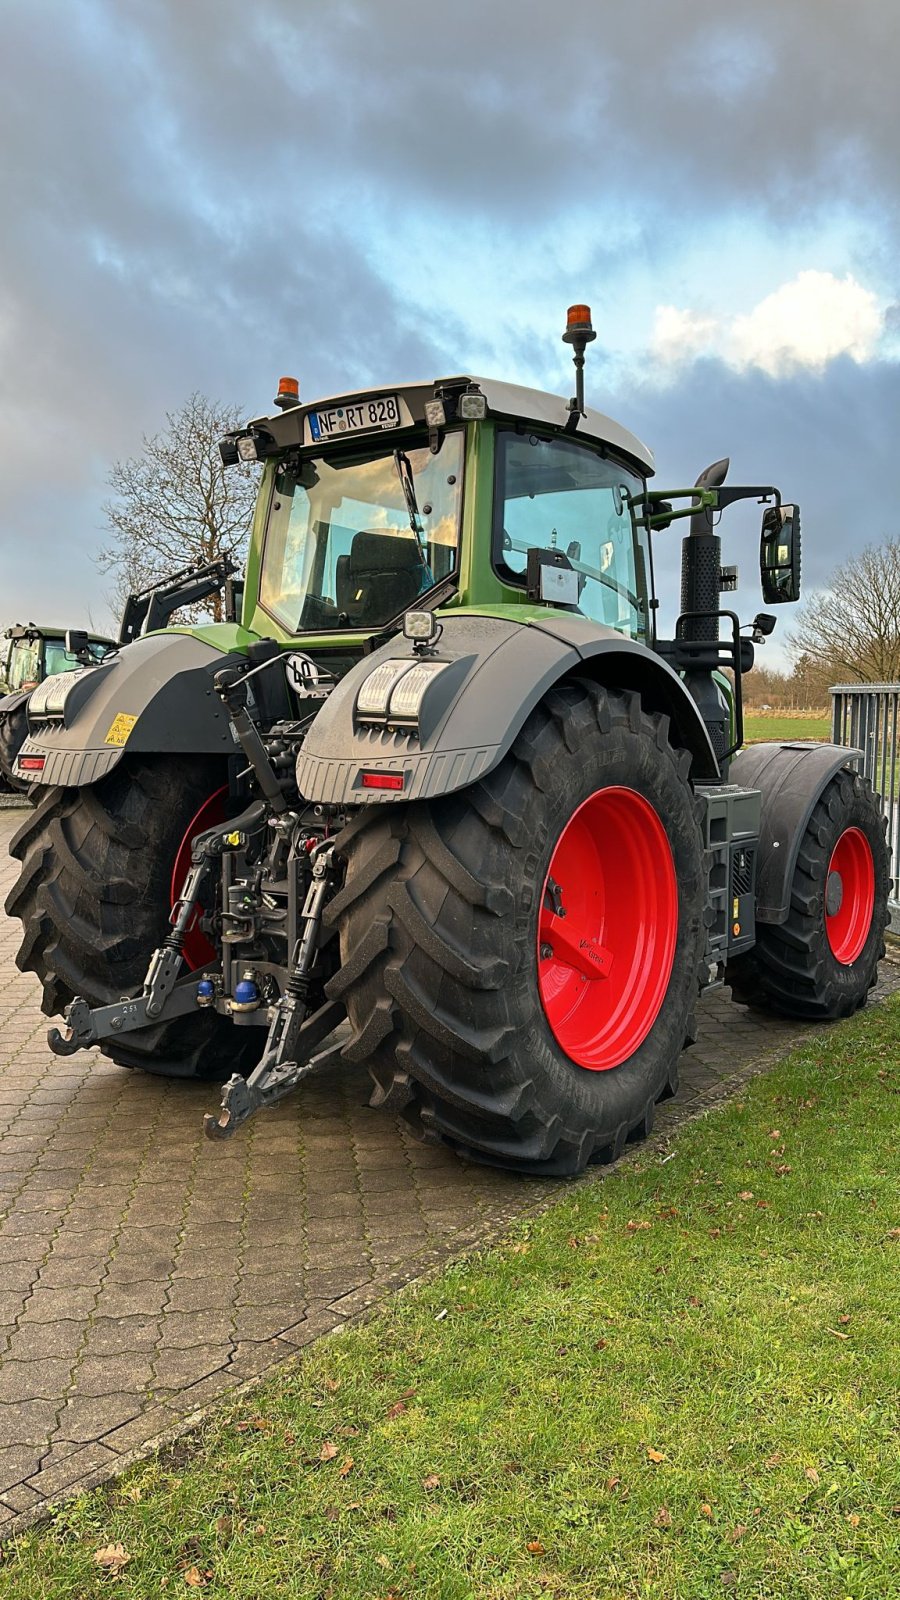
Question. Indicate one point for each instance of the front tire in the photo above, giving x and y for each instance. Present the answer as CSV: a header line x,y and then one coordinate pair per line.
x,y
445,920
94,896
823,961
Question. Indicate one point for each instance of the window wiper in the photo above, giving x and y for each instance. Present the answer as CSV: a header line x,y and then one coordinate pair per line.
x,y
405,474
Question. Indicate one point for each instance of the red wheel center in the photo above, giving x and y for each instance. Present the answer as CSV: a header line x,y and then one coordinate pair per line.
x,y
197,949
607,928
853,896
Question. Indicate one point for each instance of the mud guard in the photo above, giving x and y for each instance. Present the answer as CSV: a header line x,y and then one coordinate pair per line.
x,y
791,778
495,670
155,695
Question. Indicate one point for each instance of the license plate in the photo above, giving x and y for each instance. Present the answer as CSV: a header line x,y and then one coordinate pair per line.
x,y
360,417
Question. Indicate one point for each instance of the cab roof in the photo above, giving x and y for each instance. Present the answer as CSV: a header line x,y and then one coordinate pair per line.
x,y
510,401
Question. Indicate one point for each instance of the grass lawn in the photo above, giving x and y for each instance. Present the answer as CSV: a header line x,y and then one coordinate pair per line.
x,y
769,725
680,1382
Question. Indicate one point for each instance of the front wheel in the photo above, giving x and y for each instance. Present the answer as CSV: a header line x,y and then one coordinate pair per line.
x,y
520,960
823,960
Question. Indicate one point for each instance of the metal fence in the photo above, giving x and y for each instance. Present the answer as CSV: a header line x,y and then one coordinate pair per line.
x,y
867,716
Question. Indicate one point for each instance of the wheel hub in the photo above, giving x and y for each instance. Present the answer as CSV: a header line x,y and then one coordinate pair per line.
x,y
607,928
847,923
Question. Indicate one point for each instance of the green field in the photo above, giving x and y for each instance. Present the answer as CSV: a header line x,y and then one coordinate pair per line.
x,y
770,725
679,1383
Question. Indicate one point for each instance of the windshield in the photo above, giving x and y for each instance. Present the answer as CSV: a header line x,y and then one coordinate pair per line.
x,y
57,658
561,495
354,540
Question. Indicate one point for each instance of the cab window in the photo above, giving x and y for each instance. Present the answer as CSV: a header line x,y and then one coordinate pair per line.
x,y
562,495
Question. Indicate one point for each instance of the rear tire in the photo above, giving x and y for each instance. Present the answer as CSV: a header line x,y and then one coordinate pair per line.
x,y
440,965
94,898
822,962
13,733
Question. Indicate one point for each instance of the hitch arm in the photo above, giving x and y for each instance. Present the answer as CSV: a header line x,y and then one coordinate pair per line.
x,y
292,1033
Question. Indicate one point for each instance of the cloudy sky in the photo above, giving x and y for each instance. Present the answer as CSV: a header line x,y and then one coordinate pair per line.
x,y
201,195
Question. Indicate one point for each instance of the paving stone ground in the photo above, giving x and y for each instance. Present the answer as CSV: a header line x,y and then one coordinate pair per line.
x,y
144,1272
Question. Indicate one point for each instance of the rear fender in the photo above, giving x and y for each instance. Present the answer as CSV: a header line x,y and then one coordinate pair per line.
x,y
791,778
153,696
496,670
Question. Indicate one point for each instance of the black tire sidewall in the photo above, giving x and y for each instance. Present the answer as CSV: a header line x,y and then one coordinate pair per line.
x,y
633,760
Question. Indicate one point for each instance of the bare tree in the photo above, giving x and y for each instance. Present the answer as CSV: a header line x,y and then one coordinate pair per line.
x,y
851,630
174,504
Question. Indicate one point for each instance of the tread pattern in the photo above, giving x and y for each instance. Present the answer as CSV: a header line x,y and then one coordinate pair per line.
x,y
93,898
13,733
791,969
438,968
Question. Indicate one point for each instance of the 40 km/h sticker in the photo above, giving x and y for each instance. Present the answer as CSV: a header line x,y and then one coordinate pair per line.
x,y
120,729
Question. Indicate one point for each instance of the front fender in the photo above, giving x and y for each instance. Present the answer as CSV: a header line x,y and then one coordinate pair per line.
x,y
496,671
154,696
790,777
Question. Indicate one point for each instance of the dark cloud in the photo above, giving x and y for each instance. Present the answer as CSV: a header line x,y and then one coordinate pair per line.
x,y
204,195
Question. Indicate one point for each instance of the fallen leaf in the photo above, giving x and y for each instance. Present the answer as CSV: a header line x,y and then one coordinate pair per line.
x,y
134,1493
746,1194
812,1475
348,1432
728,1579
774,1460
655,1455
600,1344
572,1242
836,1334
762,1205
383,1561
783,1170
345,1467
853,1519
706,1510
663,1518
844,1319
612,1483
535,1548
432,1481
396,1410
694,1300
774,1133
195,1578
636,1227
328,1451
332,1384
737,1534
112,1558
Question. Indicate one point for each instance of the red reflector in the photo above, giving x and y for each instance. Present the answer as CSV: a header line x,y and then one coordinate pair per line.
x,y
31,763
383,780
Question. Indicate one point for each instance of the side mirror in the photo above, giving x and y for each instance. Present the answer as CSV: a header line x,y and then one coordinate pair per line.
x,y
779,554
77,646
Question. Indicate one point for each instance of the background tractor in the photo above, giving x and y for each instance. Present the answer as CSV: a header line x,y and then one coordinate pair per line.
x,y
34,653
29,653
443,802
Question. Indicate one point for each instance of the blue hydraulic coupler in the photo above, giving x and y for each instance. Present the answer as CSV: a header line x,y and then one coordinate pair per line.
x,y
206,992
246,995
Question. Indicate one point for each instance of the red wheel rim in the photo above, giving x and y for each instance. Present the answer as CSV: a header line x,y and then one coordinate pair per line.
x,y
850,886
197,949
604,966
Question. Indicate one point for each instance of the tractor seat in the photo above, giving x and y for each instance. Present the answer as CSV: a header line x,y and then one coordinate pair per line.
x,y
381,577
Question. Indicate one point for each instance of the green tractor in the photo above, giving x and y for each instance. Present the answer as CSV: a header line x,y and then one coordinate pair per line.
x,y
444,803
34,653
31,654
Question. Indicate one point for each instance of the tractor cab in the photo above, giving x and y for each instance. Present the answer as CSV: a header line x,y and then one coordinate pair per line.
x,y
33,653
445,495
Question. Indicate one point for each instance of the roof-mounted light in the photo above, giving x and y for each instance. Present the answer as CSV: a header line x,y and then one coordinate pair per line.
x,y
288,393
472,405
